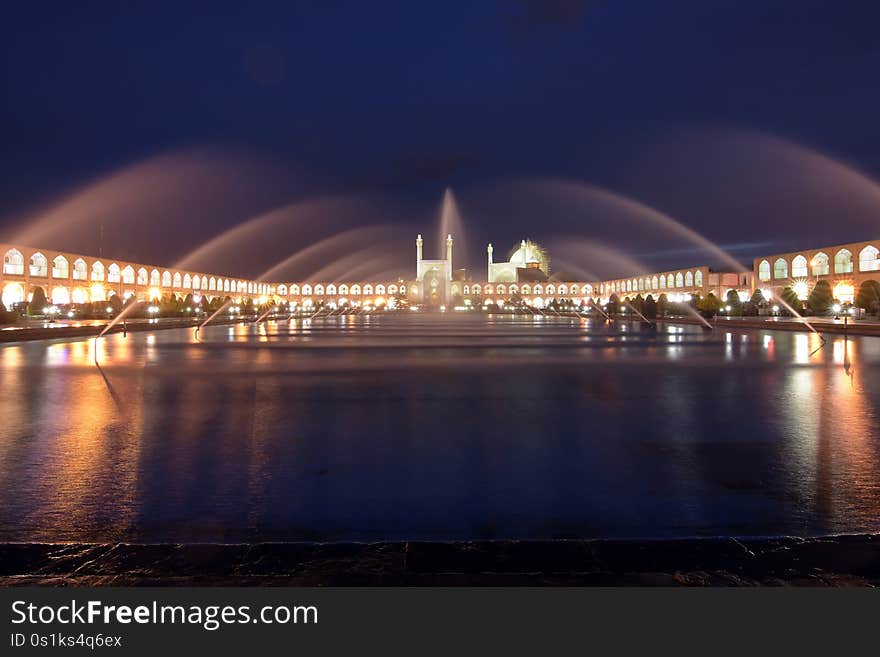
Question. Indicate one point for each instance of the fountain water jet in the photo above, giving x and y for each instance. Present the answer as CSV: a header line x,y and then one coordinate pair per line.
x,y
647,213
166,189
637,312
450,224
614,262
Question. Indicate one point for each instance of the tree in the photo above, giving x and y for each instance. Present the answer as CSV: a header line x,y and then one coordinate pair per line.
x,y
613,305
169,306
868,296
649,307
662,305
790,300
709,306
189,301
750,307
115,303
38,302
732,300
821,298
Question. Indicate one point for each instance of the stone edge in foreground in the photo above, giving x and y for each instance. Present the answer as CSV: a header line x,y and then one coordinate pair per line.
x,y
823,561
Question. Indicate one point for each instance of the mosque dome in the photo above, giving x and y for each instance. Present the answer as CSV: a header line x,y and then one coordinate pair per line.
x,y
532,255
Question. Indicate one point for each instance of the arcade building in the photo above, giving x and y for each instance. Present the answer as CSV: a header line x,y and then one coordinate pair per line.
x,y
68,279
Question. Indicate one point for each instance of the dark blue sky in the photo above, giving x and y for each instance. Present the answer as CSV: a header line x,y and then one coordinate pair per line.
x,y
402,99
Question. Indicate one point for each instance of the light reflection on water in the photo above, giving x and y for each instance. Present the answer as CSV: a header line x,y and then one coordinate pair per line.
x,y
446,427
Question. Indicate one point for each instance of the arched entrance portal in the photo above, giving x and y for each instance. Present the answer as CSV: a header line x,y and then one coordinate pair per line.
x,y
434,289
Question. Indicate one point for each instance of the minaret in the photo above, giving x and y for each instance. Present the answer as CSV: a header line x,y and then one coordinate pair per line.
x,y
419,257
449,257
523,247
489,250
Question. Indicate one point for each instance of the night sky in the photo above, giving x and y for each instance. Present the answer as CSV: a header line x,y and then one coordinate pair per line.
x,y
754,123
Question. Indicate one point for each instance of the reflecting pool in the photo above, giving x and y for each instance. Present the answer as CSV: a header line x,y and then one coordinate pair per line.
x,y
449,426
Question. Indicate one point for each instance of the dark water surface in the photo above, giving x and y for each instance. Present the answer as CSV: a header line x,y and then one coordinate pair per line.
x,y
438,427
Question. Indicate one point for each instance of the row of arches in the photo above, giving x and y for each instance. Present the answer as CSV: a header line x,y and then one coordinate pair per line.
x,y
563,289
79,270
14,292
345,289
820,264
687,279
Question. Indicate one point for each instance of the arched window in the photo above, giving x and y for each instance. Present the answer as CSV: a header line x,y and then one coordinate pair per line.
x,y
175,280
500,289
355,290
60,267
143,277
380,289
654,282
476,289
128,275
368,289
319,289
641,285
13,263
780,268
662,285
679,280
307,289
799,267
39,265
764,270
187,281
670,281
166,279
212,283
282,290
80,270
343,289
199,282
97,271
868,259
226,285
820,265
843,263
698,278
294,289
155,278
539,289
551,289
113,273
688,279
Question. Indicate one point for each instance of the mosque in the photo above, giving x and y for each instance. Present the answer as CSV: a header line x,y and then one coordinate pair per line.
x,y
438,283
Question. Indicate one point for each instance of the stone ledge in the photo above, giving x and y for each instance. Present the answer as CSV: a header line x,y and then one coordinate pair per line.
x,y
823,561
